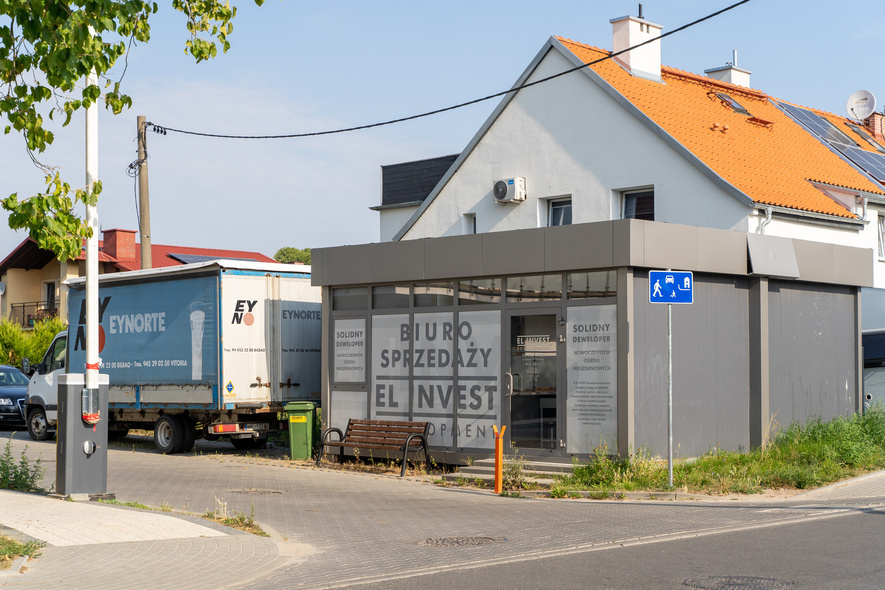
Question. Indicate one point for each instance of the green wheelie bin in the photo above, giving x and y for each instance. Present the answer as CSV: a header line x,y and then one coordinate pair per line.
x,y
301,427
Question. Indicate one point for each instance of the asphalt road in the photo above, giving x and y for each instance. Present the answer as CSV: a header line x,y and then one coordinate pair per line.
x,y
845,551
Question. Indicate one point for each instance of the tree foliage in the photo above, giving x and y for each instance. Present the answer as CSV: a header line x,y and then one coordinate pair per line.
x,y
289,255
46,48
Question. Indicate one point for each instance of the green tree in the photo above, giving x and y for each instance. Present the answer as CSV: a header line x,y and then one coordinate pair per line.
x,y
46,48
288,255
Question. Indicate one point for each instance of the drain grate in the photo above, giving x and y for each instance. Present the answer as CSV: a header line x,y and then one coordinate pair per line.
x,y
256,492
456,541
739,582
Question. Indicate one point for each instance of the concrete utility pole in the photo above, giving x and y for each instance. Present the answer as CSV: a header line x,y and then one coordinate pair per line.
x,y
144,206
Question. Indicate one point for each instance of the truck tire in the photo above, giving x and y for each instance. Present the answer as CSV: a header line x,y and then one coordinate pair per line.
x,y
249,444
169,434
38,425
190,434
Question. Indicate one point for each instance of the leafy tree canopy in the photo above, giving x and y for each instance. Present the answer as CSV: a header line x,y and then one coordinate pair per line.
x,y
288,255
46,48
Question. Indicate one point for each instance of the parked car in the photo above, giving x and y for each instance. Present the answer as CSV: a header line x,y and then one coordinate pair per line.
x,y
13,389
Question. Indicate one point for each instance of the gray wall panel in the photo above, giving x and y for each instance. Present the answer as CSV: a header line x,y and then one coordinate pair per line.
x,y
453,257
670,246
513,252
390,263
344,265
710,368
720,251
571,247
813,339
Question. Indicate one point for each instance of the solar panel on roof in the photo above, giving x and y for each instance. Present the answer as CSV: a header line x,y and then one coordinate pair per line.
x,y
857,129
191,258
818,125
872,162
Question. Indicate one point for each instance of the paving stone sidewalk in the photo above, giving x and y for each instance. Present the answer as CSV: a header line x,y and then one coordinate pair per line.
x,y
341,528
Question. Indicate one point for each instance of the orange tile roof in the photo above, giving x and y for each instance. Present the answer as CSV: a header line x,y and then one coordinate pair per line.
x,y
767,156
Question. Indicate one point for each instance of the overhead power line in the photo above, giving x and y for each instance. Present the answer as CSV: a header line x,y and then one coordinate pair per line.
x,y
163,129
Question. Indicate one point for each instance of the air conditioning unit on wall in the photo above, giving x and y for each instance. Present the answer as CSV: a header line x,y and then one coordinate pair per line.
x,y
510,190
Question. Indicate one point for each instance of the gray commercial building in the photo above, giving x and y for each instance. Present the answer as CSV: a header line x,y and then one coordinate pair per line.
x,y
551,333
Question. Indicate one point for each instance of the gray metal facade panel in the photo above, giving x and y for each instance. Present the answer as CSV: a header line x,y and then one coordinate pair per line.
x,y
628,242
710,368
722,251
816,260
570,247
390,263
813,344
513,252
454,257
854,267
344,265
671,246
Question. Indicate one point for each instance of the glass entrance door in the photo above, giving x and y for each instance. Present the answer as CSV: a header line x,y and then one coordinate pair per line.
x,y
532,381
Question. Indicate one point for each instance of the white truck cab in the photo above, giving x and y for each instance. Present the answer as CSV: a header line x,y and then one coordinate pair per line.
x,y
41,404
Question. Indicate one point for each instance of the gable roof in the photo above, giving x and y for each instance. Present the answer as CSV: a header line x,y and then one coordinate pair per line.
x,y
764,154
28,255
762,158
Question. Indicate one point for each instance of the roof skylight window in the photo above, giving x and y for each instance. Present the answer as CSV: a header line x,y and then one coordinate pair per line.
x,y
860,131
729,101
818,125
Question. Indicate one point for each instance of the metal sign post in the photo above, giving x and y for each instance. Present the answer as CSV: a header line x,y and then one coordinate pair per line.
x,y
670,287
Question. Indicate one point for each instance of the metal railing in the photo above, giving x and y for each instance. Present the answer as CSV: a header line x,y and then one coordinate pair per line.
x,y
25,314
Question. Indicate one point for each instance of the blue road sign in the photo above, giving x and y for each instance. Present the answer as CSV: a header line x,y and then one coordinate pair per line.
x,y
667,286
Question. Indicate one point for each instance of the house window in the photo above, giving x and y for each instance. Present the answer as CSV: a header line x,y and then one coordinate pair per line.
x,y
50,295
640,205
881,237
559,212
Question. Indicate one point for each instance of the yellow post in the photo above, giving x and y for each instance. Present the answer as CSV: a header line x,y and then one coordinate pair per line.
x,y
499,458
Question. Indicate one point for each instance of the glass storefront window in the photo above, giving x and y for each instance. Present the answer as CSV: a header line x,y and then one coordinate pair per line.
x,y
349,298
590,285
534,288
474,291
434,294
390,297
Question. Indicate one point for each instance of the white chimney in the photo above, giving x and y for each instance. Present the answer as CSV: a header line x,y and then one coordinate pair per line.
x,y
731,73
628,31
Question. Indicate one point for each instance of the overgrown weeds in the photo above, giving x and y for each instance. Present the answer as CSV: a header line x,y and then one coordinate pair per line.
x,y
798,457
21,474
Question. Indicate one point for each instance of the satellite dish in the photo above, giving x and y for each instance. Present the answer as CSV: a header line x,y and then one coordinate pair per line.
x,y
861,104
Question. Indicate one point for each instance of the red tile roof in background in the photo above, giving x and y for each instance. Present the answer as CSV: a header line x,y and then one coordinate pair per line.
x,y
767,156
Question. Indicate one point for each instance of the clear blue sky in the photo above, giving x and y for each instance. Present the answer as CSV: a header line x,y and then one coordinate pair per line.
x,y
298,67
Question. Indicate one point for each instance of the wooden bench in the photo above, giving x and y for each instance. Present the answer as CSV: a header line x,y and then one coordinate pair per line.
x,y
384,435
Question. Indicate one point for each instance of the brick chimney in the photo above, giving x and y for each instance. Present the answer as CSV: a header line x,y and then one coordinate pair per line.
x,y
731,73
876,126
119,243
645,61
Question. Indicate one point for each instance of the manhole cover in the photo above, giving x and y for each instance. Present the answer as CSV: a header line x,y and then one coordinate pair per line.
x,y
742,582
456,541
257,492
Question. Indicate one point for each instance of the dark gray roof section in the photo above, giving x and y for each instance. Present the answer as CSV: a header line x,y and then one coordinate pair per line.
x,y
191,258
412,182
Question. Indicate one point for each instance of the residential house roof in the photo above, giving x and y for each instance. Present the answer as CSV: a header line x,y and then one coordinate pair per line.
x,y
762,152
120,251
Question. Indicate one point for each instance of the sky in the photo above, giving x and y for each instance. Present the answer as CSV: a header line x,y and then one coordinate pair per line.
x,y
298,67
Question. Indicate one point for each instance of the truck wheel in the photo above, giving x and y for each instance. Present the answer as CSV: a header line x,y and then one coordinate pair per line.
x,y
190,434
38,425
249,444
168,434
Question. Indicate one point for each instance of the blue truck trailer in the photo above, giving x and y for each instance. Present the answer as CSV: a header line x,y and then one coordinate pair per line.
x,y
199,350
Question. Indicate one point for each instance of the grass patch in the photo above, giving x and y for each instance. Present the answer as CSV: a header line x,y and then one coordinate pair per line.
x,y
797,457
10,550
238,520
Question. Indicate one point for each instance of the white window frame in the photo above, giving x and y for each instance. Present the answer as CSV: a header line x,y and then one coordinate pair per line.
x,y
626,194
551,206
881,229
468,224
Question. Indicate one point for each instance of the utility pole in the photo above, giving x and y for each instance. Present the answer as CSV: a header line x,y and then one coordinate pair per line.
x,y
144,206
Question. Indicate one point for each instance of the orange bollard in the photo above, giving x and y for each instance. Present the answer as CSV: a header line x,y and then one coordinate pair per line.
x,y
499,458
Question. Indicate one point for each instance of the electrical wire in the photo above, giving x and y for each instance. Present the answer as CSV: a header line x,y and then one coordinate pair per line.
x,y
161,129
